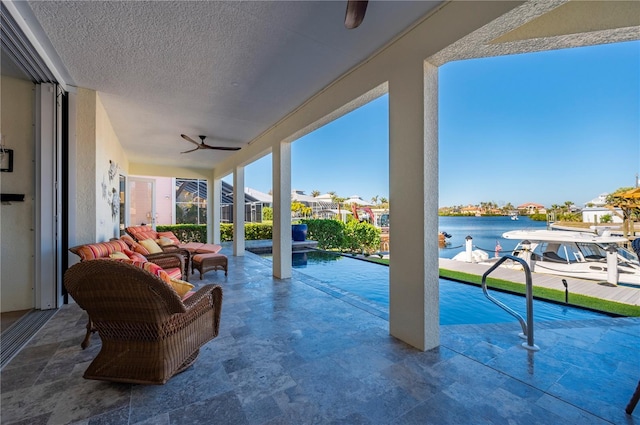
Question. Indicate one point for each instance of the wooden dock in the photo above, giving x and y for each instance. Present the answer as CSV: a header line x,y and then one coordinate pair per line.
x,y
591,288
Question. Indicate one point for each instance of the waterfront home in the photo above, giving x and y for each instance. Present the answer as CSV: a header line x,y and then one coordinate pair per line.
x,y
530,208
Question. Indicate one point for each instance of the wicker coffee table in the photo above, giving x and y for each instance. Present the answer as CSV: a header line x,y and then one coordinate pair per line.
x,y
208,261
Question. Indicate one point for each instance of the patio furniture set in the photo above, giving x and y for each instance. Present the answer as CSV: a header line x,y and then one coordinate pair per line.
x,y
150,319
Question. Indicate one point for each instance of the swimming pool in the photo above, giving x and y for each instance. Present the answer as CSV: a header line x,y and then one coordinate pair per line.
x,y
459,303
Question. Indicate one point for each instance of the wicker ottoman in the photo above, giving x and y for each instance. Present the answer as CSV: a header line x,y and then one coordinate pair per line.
x,y
209,261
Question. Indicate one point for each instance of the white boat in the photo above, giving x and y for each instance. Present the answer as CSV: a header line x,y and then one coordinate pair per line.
x,y
575,254
514,216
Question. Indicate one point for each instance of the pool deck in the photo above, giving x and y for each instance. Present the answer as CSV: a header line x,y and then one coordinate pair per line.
x,y
621,294
289,353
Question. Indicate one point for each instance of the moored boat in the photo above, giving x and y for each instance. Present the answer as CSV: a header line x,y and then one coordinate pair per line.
x,y
574,254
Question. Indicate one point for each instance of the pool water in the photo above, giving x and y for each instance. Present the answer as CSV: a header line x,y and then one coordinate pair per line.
x,y
459,303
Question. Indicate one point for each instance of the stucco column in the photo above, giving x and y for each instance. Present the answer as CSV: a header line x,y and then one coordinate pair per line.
x,y
213,210
281,168
238,211
413,181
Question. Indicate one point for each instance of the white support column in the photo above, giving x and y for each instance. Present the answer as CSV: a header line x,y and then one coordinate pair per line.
x,y
281,157
214,211
413,181
238,211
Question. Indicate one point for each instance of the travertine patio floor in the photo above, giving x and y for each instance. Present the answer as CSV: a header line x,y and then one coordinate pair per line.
x,y
290,353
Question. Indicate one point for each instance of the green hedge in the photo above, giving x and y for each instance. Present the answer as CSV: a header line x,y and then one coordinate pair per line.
x,y
330,234
198,232
353,237
226,232
186,232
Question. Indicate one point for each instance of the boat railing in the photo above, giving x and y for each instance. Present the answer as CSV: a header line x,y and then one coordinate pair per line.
x,y
527,327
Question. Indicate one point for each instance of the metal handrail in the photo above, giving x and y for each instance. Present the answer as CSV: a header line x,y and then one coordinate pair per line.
x,y
527,328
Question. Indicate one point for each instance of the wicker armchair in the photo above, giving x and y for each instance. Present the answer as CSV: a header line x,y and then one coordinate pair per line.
x,y
148,333
173,263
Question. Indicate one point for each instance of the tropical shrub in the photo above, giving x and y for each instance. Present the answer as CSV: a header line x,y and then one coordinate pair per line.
x,y
361,237
328,233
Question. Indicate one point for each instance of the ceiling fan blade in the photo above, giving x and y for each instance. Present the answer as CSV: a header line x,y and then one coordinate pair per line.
x,y
355,13
191,150
189,139
220,148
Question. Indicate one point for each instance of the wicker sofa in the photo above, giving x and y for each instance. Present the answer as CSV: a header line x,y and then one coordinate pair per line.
x,y
173,263
148,332
142,233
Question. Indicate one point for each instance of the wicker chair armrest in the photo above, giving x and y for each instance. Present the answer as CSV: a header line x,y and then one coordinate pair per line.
x,y
170,247
176,249
167,260
206,298
200,294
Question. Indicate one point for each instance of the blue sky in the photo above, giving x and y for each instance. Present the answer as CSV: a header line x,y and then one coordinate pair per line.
x,y
545,127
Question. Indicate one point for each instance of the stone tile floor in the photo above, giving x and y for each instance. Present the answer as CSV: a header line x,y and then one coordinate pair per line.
x,y
290,353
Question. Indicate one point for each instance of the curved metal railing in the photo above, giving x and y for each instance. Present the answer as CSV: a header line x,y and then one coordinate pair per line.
x,y
527,328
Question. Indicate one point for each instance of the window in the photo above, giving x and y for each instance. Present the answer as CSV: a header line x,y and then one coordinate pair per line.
x,y
191,201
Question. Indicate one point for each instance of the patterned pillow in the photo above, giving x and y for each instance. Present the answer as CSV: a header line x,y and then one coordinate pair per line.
x,y
171,236
181,287
151,246
164,241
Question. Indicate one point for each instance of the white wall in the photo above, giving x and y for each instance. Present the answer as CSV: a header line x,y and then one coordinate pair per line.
x,y
97,144
110,161
594,215
83,201
17,219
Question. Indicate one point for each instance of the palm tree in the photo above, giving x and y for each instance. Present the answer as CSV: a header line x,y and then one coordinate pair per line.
x,y
315,193
374,200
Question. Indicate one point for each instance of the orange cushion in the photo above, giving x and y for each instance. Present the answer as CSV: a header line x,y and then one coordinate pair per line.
x,y
100,249
206,248
142,232
134,246
135,256
174,273
152,268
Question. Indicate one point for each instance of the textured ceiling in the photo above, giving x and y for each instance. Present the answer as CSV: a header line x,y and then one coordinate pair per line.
x,y
232,69
228,70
